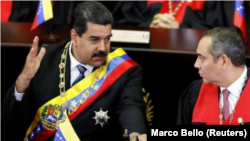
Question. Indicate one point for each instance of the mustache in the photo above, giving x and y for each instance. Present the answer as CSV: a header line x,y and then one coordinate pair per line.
x,y
100,53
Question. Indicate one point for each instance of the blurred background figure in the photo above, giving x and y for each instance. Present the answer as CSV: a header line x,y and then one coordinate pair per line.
x,y
182,14
194,14
157,14
175,14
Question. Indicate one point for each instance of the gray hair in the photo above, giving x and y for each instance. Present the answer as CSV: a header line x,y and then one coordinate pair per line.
x,y
226,41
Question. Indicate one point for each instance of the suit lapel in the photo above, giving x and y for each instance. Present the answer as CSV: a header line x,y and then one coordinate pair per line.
x,y
67,74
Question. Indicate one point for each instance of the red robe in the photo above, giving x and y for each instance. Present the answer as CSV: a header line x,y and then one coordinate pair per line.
x,y
207,108
199,104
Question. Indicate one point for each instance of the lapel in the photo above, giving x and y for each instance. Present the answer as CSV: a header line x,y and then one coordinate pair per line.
x,y
67,75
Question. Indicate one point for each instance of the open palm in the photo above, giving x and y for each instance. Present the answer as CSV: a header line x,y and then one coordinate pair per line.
x,y
31,66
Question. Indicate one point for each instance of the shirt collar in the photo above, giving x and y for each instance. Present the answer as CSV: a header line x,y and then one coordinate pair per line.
x,y
236,86
74,62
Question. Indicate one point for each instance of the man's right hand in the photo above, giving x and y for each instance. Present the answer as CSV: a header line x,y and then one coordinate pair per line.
x,y
31,66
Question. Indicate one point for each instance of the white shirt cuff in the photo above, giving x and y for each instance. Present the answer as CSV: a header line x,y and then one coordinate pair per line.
x,y
18,96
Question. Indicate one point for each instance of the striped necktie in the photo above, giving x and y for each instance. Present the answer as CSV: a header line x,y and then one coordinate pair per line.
x,y
81,75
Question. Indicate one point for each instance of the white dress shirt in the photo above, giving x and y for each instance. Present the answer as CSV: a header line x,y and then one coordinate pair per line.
x,y
74,72
234,90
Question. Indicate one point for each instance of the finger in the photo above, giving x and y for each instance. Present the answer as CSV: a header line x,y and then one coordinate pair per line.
x,y
154,23
142,137
174,25
163,25
156,16
41,54
134,139
169,16
166,19
33,50
153,26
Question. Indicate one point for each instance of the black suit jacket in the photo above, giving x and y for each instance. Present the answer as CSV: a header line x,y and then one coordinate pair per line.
x,y
123,100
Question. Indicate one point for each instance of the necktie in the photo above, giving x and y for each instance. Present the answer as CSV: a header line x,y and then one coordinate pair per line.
x,y
225,109
81,75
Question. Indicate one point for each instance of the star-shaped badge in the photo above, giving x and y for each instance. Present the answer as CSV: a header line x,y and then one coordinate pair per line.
x,y
101,117
73,103
96,87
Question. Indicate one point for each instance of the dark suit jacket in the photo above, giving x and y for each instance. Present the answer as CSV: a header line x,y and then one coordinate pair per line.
x,y
123,100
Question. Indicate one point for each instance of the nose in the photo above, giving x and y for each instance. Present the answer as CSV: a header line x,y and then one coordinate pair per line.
x,y
102,46
197,63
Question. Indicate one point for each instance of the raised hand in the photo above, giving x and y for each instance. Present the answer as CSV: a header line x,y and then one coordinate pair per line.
x,y
31,66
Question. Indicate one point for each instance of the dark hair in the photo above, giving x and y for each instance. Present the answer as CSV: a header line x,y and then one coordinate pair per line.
x,y
91,11
226,41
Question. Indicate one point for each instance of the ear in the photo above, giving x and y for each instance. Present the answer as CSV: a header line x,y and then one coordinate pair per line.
x,y
224,61
73,35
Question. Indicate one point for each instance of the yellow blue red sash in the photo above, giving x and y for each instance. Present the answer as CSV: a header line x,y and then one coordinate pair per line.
x,y
50,115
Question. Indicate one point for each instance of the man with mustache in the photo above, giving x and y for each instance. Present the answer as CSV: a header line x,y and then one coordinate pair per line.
x,y
77,90
222,97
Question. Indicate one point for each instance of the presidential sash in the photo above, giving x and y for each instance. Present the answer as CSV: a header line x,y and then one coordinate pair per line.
x,y
51,116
